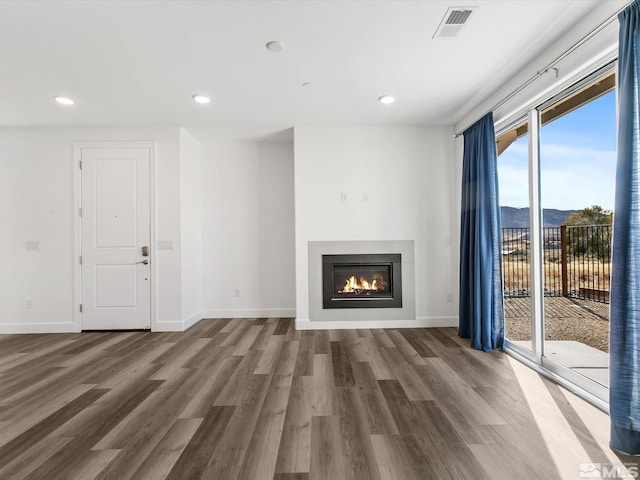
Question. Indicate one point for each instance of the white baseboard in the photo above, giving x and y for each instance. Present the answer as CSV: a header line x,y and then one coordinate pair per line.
x,y
420,322
43,327
168,326
178,325
191,321
250,313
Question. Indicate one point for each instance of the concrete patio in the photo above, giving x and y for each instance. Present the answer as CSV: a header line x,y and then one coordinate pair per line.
x,y
576,333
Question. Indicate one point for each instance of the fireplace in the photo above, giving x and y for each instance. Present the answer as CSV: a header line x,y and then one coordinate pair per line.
x,y
362,281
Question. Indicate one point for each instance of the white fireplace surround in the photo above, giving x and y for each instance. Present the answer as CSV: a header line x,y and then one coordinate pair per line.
x,y
320,318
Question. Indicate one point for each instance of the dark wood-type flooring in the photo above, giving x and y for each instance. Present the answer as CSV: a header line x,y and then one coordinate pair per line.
x,y
254,398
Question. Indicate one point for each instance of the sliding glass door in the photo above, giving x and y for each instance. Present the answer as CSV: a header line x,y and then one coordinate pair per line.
x,y
577,173
513,175
556,172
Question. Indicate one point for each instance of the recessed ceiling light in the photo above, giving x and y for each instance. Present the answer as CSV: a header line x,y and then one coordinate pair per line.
x,y
275,46
63,100
201,99
386,99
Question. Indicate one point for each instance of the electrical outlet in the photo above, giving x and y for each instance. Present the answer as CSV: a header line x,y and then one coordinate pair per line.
x,y
449,297
28,303
236,293
344,197
365,197
32,245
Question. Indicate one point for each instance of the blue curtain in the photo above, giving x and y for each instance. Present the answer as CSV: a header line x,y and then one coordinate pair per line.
x,y
481,305
624,324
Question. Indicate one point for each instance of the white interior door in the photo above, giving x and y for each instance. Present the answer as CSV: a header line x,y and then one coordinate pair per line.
x,y
116,234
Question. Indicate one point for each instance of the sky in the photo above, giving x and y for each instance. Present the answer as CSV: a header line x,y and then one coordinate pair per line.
x,y
577,159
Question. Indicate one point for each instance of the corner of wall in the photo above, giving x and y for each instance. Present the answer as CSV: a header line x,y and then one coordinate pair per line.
x,y
190,229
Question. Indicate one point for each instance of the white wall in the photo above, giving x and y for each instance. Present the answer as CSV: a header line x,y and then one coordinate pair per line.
x,y
191,228
239,214
37,204
248,230
409,175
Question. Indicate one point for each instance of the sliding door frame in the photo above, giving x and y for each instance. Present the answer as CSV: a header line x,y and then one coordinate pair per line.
x,y
586,388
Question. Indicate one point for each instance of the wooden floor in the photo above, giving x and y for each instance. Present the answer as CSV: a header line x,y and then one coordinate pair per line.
x,y
245,399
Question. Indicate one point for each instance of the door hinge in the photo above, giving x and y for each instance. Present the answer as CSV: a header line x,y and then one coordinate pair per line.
x,y
80,308
80,259
80,164
80,211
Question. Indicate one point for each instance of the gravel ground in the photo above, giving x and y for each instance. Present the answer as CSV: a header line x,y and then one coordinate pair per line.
x,y
565,319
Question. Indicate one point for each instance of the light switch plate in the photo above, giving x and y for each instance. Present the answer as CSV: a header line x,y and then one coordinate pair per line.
x,y
32,245
165,244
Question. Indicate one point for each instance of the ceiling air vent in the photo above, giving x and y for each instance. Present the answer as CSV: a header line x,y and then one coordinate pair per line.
x,y
453,21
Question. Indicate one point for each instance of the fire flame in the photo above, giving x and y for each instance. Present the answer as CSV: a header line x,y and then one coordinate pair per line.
x,y
352,285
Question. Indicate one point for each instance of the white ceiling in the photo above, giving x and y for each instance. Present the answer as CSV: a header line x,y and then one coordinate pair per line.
x,y
139,62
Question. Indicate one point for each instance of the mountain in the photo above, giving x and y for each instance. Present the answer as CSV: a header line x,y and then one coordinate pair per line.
x,y
519,217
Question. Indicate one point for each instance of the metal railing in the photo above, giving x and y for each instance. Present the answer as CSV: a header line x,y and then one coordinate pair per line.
x,y
577,262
